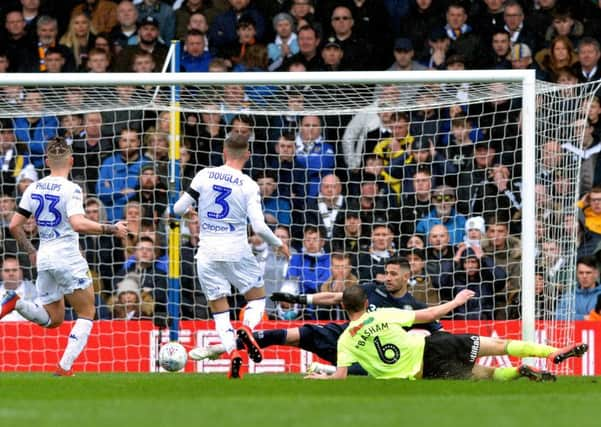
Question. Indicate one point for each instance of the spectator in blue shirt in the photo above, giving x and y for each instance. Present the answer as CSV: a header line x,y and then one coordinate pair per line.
x,y
314,158
119,174
311,267
443,212
584,299
277,209
196,59
35,131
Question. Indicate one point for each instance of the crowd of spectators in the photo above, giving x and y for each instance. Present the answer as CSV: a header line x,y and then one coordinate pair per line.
x,y
440,186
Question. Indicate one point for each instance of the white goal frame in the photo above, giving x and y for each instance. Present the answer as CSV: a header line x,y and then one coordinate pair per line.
x,y
524,77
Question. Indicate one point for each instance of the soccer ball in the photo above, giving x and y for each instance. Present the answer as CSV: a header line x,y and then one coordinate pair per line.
x,y
173,357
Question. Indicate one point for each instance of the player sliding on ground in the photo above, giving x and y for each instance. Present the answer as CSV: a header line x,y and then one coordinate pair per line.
x,y
56,204
378,342
225,198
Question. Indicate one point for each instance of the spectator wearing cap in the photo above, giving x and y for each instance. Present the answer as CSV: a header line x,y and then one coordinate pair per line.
x,y
418,25
403,56
438,46
356,49
333,55
148,40
513,15
163,13
285,44
125,31
196,58
222,32
587,68
463,40
102,13
444,212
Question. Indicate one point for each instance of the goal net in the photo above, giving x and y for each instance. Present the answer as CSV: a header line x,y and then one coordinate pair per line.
x,y
469,176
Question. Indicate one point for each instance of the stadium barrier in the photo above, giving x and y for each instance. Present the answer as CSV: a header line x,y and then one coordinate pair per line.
x,y
131,346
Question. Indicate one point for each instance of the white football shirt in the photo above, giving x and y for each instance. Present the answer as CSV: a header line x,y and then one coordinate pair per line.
x,y
226,198
52,200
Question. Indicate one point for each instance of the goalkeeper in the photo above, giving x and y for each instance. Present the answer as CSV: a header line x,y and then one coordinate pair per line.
x,y
322,339
378,341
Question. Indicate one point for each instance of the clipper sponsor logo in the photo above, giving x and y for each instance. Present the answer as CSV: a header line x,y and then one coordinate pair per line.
x,y
218,228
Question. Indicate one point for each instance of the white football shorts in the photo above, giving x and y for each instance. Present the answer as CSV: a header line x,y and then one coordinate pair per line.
x,y
53,284
215,277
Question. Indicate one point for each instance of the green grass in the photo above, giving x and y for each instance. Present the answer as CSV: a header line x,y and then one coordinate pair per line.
x,y
174,400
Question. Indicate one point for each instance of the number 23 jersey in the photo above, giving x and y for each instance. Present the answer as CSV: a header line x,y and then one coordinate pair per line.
x,y
52,200
225,198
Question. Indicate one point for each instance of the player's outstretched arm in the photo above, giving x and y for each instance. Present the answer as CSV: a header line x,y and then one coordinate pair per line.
x,y
320,298
81,224
16,229
434,313
340,374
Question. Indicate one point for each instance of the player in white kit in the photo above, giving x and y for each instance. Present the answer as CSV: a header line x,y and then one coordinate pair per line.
x,y
56,204
225,198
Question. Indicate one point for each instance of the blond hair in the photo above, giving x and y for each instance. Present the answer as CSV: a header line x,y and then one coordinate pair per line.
x,y
58,152
236,145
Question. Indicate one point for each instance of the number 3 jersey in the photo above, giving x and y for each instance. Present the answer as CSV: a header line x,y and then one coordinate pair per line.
x,y
52,200
378,342
225,198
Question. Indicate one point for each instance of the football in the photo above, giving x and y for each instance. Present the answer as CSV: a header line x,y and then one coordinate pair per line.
x,y
173,357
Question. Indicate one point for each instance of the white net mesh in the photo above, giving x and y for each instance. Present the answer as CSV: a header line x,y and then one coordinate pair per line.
x,y
430,171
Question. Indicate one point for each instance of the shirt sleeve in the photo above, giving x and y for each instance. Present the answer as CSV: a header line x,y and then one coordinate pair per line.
x,y
25,207
75,202
257,220
345,357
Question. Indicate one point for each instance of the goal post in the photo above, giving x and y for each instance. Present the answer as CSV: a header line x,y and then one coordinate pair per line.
x,y
332,96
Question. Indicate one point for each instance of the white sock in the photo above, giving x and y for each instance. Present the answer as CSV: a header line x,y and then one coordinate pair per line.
x,y
226,332
33,312
78,338
253,313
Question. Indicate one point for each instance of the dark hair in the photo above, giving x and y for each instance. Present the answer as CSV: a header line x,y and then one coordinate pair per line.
x,y
354,298
288,135
397,260
265,173
587,260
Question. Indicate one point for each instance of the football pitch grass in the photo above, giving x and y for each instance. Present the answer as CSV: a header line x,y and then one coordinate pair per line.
x,y
131,400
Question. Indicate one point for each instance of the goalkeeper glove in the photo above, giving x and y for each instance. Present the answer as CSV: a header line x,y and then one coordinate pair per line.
x,y
288,297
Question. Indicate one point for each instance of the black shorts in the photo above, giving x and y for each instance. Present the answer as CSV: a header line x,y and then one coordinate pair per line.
x,y
322,339
448,356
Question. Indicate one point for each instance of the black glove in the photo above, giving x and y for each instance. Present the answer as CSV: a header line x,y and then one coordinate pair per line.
x,y
598,306
287,297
